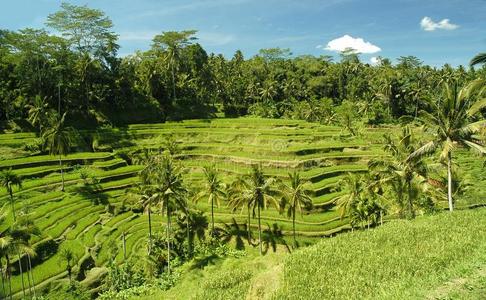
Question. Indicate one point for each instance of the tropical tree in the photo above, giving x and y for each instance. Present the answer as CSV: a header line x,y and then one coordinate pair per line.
x,y
8,179
296,196
58,138
452,123
213,189
263,192
240,197
167,191
173,42
478,59
38,112
5,244
404,175
68,257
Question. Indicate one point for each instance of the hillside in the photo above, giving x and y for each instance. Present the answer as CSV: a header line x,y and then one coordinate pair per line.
x,y
432,257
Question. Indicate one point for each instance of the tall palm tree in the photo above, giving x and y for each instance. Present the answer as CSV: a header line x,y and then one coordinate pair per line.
x,y
68,257
173,42
168,191
454,123
5,244
8,179
141,193
58,138
21,233
239,197
478,59
38,112
296,196
263,192
400,172
353,184
213,189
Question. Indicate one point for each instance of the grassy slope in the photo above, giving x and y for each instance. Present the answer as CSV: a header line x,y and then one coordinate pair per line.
x,y
433,257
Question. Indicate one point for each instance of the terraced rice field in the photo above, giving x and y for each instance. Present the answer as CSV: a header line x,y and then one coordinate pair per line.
x,y
89,222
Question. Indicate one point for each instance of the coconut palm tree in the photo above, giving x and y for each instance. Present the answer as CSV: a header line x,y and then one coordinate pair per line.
x,y
168,191
263,192
239,197
296,196
453,123
68,257
173,42
398,171
21,233
213,189
8,179
354,185
58,138
38,112
478,59
5,244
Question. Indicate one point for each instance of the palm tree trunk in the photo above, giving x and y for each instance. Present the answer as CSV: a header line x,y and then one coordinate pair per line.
x,y
62,172
212,216
168,239
189,246
31,275
9,272
21,275
3,279
449,181
293,227
173,81
12,202
410,200
150,228
249,229
260,231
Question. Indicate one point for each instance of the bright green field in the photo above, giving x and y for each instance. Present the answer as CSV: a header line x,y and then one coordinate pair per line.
x,y
432,257
81,220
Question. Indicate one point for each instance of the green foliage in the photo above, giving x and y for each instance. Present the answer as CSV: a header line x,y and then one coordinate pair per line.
x,y
401,260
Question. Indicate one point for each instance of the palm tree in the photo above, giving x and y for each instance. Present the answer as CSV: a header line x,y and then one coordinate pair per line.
x,y
38,112
8,179
403,174
261,189
173,42
213,189
168,191
353,185
58,138
5,244
296,196
141,193
21,233
478,59
68,257
453,123
239,197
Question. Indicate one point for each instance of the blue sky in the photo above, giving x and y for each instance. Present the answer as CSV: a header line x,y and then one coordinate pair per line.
x,y
387,28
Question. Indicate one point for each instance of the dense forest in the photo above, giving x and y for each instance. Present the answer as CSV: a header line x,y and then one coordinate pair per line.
x,y
78,71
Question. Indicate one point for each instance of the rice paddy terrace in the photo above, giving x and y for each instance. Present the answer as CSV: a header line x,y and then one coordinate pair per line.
x,y
90,219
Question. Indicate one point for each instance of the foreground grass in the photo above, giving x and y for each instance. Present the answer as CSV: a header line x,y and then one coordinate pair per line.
x,y
432,257
402,260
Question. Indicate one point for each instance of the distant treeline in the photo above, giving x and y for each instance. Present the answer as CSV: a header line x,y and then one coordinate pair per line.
x,y
78,71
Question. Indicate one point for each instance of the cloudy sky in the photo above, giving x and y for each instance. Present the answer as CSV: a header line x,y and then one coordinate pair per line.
x,y
437,32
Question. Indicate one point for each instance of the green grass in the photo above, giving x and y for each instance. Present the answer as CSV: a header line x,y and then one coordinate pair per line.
x,y
401,260
432,257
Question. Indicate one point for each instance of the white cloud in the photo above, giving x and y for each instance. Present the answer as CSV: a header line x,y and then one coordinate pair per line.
x,y
428,24
375,60
319,46
357,44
